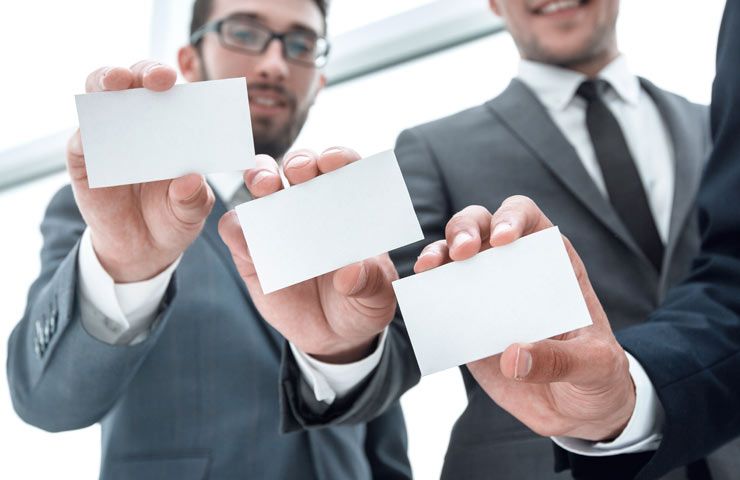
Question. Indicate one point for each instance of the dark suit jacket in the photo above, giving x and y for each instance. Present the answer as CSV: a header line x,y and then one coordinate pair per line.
x,y
481,156
198,398
690,348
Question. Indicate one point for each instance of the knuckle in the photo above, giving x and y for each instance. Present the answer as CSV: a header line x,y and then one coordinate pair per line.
x,y
456,223
471,210
477,211
515,201
559,365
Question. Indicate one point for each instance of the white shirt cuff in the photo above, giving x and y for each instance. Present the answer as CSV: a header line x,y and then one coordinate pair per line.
x,y
330,381
117,313
643,431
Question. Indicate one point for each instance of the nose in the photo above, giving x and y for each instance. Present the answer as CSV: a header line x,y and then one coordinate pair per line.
x,y
272,65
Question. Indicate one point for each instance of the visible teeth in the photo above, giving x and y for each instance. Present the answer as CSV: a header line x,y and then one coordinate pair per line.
x,y
558,6
268,102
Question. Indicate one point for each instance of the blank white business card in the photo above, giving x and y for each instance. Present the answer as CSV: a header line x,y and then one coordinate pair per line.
x,y
336,219
464,311
136,136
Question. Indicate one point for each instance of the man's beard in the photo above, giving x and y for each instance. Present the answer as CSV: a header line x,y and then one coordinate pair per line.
x,y
276,144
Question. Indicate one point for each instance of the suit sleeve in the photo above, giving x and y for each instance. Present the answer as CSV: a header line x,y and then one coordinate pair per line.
x,y
61,377
690,347
397,370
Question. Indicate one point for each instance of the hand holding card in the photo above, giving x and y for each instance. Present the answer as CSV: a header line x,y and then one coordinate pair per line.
x,y
138,230
574,384
318,247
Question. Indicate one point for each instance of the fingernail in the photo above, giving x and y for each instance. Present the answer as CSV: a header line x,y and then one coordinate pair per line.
x,y
523,363
501,228
260,176
298,161
151,68
361,280
102,78
426,253
460,239
332,150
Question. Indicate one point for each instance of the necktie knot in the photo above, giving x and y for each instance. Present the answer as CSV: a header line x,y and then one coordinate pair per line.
x,y
591,90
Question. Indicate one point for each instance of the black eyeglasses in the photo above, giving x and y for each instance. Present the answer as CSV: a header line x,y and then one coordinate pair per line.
x,y
246,35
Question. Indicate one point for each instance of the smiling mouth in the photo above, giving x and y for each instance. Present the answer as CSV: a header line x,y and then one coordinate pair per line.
x,y
557,6
268,102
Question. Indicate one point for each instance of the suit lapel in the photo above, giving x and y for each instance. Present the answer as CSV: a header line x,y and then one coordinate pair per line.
x,y
687,153
210,233
518,108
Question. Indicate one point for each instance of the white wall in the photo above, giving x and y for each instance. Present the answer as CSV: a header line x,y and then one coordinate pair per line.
x,y
669,41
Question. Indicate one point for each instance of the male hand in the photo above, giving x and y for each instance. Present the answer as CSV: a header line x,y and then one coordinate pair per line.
x,y
138,230
577,384
335,317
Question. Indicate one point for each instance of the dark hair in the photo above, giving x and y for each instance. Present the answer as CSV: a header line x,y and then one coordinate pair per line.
x,y
202,10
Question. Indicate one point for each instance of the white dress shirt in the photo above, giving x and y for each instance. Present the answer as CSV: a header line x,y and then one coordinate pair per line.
x,y
123,313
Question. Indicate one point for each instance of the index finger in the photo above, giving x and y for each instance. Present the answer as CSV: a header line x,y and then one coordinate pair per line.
x,y
467,231
335,158
153,75
517,217
109,79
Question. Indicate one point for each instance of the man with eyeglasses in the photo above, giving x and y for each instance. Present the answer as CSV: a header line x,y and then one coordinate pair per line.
x,y
139,319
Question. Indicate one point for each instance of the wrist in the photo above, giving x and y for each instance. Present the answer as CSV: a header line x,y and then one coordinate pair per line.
x,y
623,414
126,265
346,352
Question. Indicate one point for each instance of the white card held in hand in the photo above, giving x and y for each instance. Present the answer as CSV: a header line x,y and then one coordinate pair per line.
x,y
342,217
464,311
135,136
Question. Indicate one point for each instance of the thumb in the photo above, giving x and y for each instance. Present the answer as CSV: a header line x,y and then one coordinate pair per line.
x,y
191,199
369,281
231,233
76,159
583,361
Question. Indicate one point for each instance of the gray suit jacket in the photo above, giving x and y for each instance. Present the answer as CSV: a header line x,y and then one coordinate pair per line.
x,y
481,156
198,398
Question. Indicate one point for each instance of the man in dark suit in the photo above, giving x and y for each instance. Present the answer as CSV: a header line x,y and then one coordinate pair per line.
x,y
689,349
614,160
139,320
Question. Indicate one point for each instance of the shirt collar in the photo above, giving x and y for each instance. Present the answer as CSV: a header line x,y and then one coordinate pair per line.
x,y
622,80
556,86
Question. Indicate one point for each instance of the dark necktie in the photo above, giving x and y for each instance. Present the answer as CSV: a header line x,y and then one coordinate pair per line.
x,y
623,183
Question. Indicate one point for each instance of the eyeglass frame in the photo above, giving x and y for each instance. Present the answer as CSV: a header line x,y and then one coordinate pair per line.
x,y
216,26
